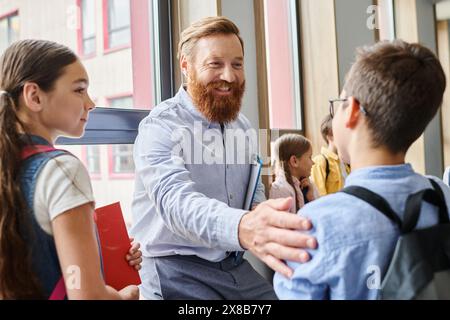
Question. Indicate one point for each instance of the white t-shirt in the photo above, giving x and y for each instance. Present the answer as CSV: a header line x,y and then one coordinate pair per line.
x,y
62,184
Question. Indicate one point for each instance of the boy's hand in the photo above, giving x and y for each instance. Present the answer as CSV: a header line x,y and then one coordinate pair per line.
x,y
134,256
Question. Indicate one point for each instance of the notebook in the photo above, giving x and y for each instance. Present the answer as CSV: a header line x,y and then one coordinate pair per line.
x,y
115,244
253,183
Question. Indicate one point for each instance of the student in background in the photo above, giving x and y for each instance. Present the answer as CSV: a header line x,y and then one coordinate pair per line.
x,y
391,94
328,172
46,202
292,170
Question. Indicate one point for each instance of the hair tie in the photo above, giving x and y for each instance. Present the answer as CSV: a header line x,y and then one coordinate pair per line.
x,y
6,93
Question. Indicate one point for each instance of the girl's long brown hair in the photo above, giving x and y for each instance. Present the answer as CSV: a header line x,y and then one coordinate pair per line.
x,y
287,146
41,62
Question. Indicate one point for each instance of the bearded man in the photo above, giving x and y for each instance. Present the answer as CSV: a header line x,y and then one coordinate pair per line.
x,y
192,178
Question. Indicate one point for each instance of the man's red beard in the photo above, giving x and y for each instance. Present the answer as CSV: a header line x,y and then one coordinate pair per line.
x,y
216,108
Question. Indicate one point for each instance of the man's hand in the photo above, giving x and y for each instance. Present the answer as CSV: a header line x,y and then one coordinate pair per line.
x,y
134,256
270,233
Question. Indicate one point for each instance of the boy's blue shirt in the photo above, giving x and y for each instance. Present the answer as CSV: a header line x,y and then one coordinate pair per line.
x,y
354,238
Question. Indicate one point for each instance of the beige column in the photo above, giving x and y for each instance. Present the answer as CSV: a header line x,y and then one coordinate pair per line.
x,y
320,64
407,30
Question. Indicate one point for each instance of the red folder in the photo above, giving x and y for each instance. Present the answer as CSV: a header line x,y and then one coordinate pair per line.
x,y
115,244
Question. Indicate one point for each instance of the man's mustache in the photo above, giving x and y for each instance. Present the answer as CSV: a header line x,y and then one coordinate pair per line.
x,y
222,84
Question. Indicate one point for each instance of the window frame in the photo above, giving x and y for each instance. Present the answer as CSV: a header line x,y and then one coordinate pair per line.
x,y
80,35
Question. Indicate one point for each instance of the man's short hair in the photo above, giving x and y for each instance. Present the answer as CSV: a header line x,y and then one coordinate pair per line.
x,y
401,86
204,28
326,128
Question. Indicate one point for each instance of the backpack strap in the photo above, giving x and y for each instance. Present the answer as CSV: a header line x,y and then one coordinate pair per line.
x,y
327,167
443,213
375,201
413,206
31,150
59,292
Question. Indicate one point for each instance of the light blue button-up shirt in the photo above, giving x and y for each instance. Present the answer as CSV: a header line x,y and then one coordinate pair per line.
x,y
191,181
356,242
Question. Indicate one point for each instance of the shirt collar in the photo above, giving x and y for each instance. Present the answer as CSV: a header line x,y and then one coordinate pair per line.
x,y
379,172
186,101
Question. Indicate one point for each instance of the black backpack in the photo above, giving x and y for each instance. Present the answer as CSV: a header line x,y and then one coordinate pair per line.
x,y
420,266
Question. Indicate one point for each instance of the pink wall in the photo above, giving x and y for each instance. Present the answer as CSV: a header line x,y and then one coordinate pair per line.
x,y
281,91
142,55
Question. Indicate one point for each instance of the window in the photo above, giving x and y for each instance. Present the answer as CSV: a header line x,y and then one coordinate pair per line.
x,y
125,102
93,159
88,28
118,24
122,159
9,30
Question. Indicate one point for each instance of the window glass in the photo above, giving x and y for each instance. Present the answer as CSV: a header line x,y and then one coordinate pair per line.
x,y
119,23
122,159
88,26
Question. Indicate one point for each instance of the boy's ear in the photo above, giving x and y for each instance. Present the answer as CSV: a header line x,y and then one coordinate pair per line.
x,y
32,96
330,138
352,113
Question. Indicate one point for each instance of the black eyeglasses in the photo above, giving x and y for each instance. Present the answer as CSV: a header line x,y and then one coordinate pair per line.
x,y
332,101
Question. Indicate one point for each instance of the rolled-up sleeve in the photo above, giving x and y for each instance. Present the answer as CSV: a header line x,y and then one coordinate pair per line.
x,y
185,212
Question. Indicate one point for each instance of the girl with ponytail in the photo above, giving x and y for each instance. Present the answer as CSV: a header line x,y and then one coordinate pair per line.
x,y
293,165
47,232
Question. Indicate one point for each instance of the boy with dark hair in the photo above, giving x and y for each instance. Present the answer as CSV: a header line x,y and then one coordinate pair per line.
x,y
328,172
392,92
